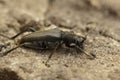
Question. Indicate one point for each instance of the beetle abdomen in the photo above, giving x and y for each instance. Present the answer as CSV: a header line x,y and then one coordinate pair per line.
x,y
47,36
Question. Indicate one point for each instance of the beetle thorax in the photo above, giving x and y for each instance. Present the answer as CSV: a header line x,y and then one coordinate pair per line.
x,y
68,38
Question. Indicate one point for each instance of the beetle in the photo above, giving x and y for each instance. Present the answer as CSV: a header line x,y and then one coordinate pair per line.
x,y
52,38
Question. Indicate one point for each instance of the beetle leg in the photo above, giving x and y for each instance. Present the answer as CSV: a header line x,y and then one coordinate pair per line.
x,y
6,52
72,46
30,29
90,56
49,57
2,46
13,37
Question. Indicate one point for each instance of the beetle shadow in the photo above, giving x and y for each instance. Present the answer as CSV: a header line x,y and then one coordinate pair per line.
x,y
69,51
60,51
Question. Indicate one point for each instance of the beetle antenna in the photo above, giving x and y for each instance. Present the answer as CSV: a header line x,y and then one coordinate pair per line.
x,y
90,56
6,52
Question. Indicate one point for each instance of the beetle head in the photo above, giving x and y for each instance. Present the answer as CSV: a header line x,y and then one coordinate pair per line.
x,y
73,40
79,40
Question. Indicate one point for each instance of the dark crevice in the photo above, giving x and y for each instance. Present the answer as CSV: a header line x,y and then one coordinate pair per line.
x,y
7,74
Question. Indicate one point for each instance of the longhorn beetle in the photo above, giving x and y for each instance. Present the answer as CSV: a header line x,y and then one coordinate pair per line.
x,y
48,39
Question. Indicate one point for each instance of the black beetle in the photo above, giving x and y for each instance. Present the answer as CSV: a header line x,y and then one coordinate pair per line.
x,y
42,39
48,39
